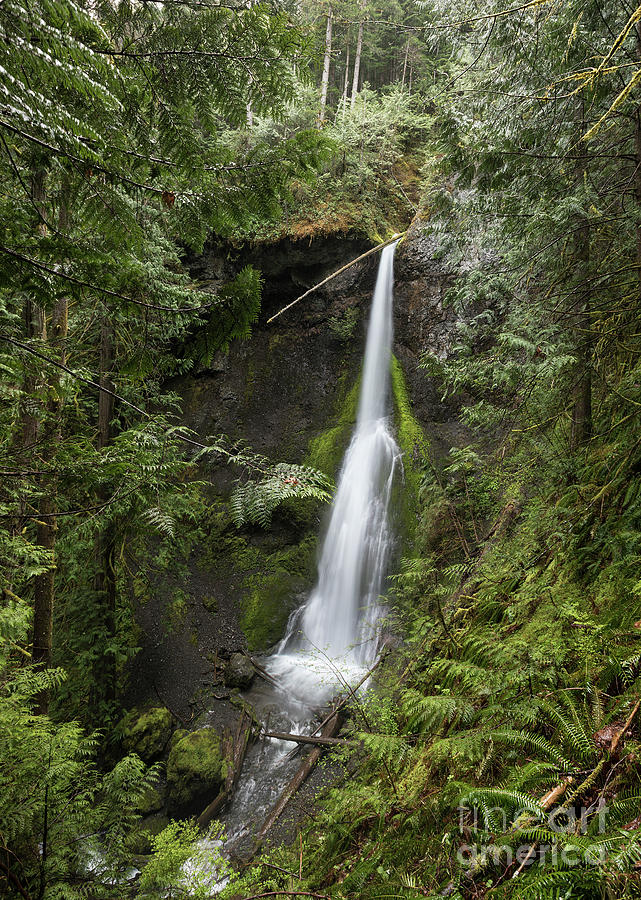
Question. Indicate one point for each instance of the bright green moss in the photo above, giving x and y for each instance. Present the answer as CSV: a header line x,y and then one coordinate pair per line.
x,y
327,449
146,734
195,771
413,443
270,594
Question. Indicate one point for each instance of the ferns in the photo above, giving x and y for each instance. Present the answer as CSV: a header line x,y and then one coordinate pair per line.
x,y
426,713
531,741
253,502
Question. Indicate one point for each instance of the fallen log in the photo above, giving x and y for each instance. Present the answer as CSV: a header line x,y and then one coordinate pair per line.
x,y
308,739
234,749
344,701
331,728
337,272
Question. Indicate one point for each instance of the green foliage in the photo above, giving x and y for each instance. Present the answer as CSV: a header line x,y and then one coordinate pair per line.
x,y
52,793
185,863
148,733
342,327
373,151
253,502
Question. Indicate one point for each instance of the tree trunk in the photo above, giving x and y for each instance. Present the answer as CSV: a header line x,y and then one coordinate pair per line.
x,y
346,79
407,53
582,410
637,170
34,322
104,679
105,401
357,58
44,585
326,63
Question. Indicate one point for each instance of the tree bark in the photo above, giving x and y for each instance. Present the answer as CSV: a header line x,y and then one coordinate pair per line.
x,y
346,79
637,170
407,53
44,584
326,64
357,58
104,680
581,430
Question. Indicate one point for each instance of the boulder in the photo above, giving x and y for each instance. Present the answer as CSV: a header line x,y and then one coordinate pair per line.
x,y
153,800
139,839
147,733
196,771
239,671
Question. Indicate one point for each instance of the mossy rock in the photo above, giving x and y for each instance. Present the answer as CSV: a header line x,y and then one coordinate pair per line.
x,y
414,446
271,591
178,735
139,840
153,800
147,733
195,772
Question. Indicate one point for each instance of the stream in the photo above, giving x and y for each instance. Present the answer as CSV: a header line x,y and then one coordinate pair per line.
x,y
334,637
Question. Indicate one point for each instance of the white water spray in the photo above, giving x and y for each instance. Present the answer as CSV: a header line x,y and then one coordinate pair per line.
x,y
337,627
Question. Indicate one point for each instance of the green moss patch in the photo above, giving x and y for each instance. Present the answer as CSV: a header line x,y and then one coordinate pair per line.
x,y
148,733
413,443
195,772
270,594
327,449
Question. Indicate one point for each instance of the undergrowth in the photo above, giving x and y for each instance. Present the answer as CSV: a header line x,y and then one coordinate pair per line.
x,y
499,754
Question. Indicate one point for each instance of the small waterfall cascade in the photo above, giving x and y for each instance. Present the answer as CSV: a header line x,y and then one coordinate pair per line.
x,y
338,624
333,638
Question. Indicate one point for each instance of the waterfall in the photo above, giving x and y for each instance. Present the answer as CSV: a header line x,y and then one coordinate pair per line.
x,y
337,627
333,638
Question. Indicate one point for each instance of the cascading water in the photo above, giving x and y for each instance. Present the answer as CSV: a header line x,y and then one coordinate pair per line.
x,y
333,638
337,627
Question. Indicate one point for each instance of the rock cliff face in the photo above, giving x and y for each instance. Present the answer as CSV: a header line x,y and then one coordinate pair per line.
x,y
289,393
424,323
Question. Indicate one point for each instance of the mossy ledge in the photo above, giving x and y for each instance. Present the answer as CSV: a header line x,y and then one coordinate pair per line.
x,y
327,449
414,447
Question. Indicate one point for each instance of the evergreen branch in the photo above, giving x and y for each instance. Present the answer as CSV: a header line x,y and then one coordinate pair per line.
x,y
94,287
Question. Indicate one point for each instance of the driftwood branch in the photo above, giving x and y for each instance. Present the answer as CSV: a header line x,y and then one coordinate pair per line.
x,y
334,274
308,739
547,801
617,739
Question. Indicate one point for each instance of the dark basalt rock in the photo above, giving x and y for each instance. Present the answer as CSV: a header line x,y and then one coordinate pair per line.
x,y
239,671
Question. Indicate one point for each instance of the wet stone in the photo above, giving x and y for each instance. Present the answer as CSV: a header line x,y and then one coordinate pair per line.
x,y
239,671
